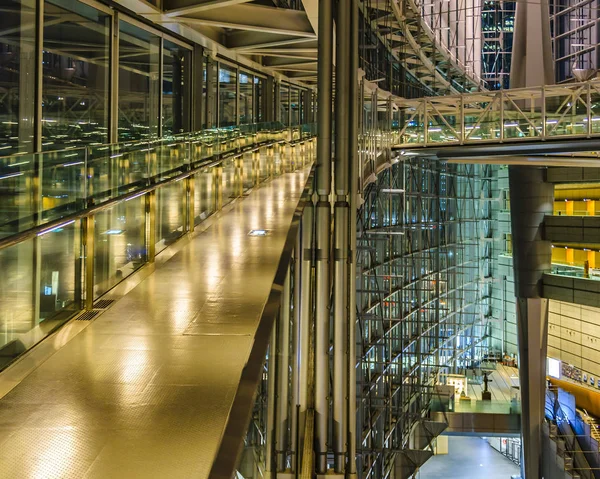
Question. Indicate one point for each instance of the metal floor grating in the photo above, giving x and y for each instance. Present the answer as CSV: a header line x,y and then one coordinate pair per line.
x,y
88,315
103,303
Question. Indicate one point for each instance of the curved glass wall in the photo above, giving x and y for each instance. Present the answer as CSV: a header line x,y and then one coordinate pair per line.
x,y
76,76
138,83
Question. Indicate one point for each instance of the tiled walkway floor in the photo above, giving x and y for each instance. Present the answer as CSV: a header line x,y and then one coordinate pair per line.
x,y
145,390
468,458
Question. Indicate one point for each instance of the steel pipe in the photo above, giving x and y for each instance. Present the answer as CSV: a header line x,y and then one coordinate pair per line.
x,y
323,232
283,367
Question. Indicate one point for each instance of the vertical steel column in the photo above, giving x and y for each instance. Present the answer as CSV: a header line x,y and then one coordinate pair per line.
x,y
353,205
190,187
88,238
211,91
283,359
531,198
323,233
303,314
341,240
271,443
113,128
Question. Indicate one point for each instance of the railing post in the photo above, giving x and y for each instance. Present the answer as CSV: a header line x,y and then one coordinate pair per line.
x,y
256,167
218,186
238,161
88,243
151,225
190,187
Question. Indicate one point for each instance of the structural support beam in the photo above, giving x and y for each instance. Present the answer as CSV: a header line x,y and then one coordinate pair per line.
x,y
323,233
531,199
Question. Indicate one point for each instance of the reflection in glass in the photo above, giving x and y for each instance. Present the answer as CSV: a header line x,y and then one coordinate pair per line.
x,y
170,214
176,88
39,293
17,77
138,83
204,196
119,242
227,96
284,105
246,90
76,76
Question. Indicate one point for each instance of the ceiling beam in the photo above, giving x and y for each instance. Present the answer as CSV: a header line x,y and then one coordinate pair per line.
x,y
175,9
254,18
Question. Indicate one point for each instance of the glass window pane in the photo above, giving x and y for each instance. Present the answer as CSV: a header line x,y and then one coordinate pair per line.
x,y
17,76
246,89
227,94
295,106
176,88
76,75
284,105
258,97
138,83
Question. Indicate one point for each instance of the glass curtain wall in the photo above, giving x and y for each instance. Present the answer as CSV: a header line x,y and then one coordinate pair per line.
x,y
227,95
177,62
138,83
76,76
17,77
245,100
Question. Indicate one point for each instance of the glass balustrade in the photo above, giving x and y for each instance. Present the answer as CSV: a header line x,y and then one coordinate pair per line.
x,y
76,222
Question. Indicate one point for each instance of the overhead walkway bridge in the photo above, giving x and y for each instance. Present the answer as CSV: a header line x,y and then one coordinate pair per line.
x,y
523,121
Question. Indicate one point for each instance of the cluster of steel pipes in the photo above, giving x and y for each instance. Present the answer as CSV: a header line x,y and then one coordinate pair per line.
x,y
312,367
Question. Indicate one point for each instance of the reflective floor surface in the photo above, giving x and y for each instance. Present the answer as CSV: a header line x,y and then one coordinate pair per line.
x,y
145,390
468,458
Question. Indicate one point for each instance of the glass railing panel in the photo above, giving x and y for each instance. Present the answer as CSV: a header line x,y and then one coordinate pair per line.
x,y
17,199
114,170
263,164
119,243
60,275
172,157
170,214
204,195
39,291
248,171
17,308
228,179
62,182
